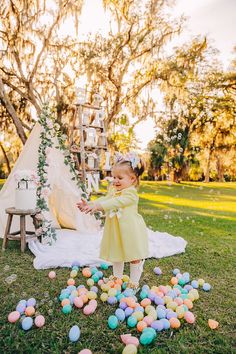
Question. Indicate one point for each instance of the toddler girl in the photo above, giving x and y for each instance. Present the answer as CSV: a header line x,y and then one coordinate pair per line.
x,y
125,236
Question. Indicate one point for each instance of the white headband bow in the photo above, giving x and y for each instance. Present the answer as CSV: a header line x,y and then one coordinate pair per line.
x,y
131,157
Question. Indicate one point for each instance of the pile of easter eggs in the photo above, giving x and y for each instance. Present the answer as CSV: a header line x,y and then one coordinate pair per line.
x,y
25,312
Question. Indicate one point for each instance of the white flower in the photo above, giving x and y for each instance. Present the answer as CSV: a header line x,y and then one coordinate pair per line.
x,y
45,192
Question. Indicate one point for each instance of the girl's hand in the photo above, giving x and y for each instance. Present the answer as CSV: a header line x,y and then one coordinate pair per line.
x,y
82,204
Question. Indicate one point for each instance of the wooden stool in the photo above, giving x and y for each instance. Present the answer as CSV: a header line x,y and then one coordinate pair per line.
x,y
22,232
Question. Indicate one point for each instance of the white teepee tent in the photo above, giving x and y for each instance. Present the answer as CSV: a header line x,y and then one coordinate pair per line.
x,y
64,191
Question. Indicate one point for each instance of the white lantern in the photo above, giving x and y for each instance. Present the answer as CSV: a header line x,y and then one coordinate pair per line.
x,y
107,166
102,139
92,182
91,160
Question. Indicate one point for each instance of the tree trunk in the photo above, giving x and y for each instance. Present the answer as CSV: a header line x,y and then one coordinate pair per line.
x,y
6,159
220,170
207,171
11,111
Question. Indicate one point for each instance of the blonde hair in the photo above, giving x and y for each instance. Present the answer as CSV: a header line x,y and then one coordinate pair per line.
x,y
136,171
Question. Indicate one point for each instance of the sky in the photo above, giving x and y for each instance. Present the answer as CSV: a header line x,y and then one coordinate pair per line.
x,y
215,18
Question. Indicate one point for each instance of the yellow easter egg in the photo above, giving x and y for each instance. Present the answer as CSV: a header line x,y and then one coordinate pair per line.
x,y
104,297
171,305
90,282
91,295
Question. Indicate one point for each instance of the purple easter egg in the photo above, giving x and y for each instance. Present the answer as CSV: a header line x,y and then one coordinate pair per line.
x,y
157,271
157,325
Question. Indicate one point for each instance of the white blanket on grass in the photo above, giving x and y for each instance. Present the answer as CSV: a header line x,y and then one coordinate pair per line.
x,y
72,245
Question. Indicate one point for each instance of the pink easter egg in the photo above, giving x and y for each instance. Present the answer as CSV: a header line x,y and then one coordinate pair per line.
x,y
78,302
71,281
189,317
52,274
85,351
133,340
124,338
93,304
13,316
148,320
39,321
88,310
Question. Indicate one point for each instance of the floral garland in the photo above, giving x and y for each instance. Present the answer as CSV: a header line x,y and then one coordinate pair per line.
x,y
51,130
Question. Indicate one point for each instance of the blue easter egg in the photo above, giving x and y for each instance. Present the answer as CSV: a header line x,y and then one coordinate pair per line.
x,y
150,330
22,302
128,311
145,287
158,300
120,314
166,323
176,271
112,322
94,270
157,325
194,284
21,308
157,271
151,295
123,305
146,338
66,309
95,277
119,296
104,266
161,313
171,314
31,302
132,321
74,333
112,300
75,268
206,287
94,288
143,294
27,323
139,308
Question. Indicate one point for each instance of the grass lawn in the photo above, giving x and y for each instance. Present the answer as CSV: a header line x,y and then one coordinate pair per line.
x,y
205,215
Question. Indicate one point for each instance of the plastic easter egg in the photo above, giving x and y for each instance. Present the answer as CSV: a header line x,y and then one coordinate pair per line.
x,y
104,266
91,295
166,323
195,293
174,323
213,324
157,271
158,300
176,271
65,302
75,267
128,311
31,302
130,349
143,294
85,351
78,302
13,316
86,272
148,319
188,303
201,282
27,323
157,325
88,310
186,277
171,314
95,277
146,338
189,317
120,314
52,274
174,281
125,278
180,311
150,330
21,308
172,305
138,315
141,325
30,311
112,300
206,287
194,284
132,321
74,333
181,281
112,322
161,313
39,321
22,302
145,302
73,273
112,292
66,309
104,297
71,281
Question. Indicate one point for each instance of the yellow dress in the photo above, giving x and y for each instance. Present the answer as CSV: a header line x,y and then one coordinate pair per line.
x,y
125,235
